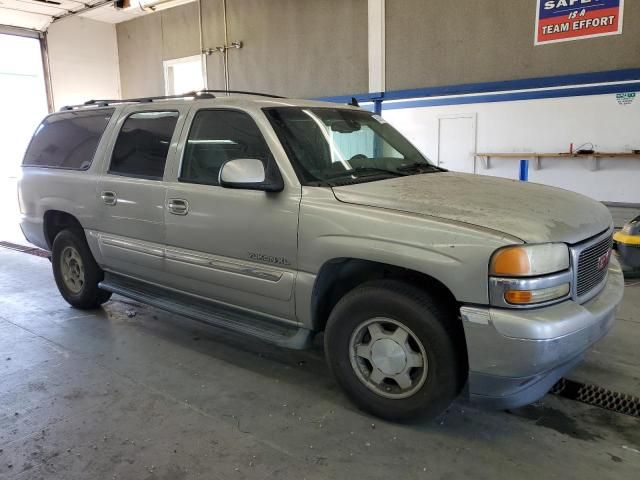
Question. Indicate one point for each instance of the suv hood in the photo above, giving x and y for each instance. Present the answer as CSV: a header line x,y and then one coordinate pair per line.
x,y
532,212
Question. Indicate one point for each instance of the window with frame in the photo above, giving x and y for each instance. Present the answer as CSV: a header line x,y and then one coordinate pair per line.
x,y
217,136
67,140
183,75
143,144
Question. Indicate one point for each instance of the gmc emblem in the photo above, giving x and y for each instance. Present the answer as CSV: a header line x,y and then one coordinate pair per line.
x,y
603,260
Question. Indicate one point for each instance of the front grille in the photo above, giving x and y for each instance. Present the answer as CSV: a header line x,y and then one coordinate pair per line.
x,y
589,276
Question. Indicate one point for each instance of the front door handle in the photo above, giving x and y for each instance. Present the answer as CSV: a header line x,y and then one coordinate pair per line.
x,y
109,198
178,206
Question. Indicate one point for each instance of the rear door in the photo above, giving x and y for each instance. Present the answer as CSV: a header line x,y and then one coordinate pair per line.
x,y
233,246
131,191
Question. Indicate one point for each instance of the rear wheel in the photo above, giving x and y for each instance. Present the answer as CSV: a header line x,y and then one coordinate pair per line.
x,y
76,272
395,351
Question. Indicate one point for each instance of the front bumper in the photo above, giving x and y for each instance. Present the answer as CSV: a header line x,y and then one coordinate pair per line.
x,y
516,356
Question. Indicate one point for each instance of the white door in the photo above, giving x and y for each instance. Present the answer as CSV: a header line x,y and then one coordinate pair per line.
x,y
457,143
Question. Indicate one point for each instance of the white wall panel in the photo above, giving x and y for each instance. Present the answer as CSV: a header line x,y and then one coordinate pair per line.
x,y
376,44
547,125
83,56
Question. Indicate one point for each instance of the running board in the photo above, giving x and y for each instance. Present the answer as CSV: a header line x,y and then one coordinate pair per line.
x,y
211,313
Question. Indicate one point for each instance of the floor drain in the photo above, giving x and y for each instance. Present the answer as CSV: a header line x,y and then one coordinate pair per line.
x,y
38,252
598,397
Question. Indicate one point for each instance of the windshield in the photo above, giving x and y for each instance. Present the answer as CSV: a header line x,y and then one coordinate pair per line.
x,y
334,146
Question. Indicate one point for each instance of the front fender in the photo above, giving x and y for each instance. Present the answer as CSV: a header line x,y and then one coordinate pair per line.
x,y
455,254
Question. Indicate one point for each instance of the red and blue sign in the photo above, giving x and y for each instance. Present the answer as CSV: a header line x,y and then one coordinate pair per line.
x,y
564,20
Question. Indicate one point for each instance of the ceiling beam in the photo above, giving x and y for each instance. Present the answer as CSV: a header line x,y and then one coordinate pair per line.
x,y
35,3
30,12
86,8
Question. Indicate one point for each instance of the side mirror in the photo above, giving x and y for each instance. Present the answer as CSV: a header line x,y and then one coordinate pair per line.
x,y
249,174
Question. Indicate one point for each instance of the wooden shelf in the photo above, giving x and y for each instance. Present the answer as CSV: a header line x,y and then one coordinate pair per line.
x,y
537,156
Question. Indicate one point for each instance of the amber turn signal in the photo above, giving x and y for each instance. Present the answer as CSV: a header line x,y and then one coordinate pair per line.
x,y
541,295
518,297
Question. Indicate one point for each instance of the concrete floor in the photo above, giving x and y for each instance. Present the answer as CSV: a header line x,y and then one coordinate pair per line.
x,y
131,392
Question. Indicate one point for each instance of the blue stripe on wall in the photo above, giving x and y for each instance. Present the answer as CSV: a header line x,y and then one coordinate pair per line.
x,y
511,97
495,87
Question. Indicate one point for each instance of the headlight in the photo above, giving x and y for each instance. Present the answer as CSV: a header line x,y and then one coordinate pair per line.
x,y
529,275
529,260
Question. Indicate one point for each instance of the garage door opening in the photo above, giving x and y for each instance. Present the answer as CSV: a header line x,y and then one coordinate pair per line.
x,y
23,103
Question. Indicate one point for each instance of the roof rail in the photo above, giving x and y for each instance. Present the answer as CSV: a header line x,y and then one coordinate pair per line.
x,y
200,94
243,92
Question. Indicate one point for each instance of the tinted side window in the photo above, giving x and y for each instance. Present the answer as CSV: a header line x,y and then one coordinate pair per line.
x,y
217,136
67,140
142,144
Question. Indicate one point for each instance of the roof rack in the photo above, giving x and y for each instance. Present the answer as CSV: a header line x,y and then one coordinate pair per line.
x,y
243,92
200,94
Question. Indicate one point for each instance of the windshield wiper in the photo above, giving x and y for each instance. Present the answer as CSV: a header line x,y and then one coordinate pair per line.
x,y
420,167
368,171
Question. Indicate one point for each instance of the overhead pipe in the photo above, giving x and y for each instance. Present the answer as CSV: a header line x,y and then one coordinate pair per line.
x,y
203,56
224,49
226,42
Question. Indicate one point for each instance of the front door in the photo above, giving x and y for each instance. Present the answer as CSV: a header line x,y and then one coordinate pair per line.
x,y
131,193
233,246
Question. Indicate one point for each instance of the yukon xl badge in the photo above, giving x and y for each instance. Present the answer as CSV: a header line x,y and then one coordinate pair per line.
x,y
260,257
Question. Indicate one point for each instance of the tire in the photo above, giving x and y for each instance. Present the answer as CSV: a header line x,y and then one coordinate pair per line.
x,y
78,281
396,308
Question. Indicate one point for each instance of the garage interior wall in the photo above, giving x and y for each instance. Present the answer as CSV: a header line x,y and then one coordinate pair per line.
x,y
83,61
545,125
291,47
307,48
460,42
143,44
314,49
434,43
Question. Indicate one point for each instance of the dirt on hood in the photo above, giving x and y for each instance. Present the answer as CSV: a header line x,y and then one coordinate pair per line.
x,y
532,212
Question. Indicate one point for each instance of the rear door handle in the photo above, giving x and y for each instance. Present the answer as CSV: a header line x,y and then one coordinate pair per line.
x,y
110,198
178,206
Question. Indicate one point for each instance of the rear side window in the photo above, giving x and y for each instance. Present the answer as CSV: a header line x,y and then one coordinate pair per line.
x,y
67,140
217,136
143,144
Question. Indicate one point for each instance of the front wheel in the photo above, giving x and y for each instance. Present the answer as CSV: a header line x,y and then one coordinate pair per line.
x,y
395,351
76,272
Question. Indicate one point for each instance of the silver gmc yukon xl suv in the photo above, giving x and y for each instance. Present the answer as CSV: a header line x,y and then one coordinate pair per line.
x,y
281,218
